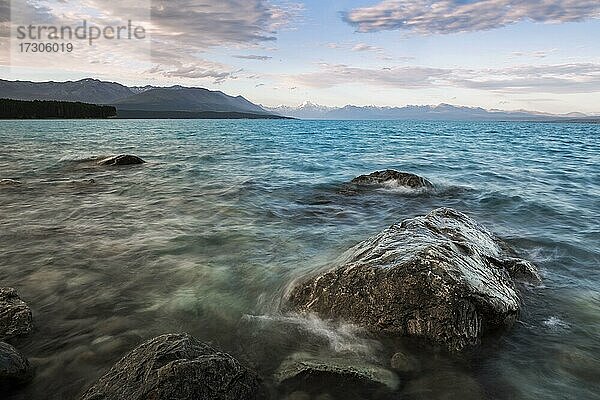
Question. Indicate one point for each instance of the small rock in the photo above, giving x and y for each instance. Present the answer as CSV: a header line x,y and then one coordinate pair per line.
x,y
522,270
14,367
83,182
122,159
301,371
9,182
405,363
392,176
15,316
176,366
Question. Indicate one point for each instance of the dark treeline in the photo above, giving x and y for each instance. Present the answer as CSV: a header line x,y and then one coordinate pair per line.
x,y
39,109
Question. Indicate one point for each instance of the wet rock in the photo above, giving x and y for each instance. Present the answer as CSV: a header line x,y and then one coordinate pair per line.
x,y
341,376
15,316
9,182
122,159
404,362
522,270
176,366
14,367
440,277
390,176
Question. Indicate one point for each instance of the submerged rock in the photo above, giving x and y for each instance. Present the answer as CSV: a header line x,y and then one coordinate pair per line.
x,y
301,371
122,159
390,176
441,277
15,316
404,362
176,366
14,367
443,385
9,182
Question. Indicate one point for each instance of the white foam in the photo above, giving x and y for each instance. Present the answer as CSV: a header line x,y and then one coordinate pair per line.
x,y
395,187
342,337
555,323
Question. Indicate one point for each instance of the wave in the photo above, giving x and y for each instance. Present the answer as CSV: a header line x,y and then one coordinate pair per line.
x,y
555,324
338,338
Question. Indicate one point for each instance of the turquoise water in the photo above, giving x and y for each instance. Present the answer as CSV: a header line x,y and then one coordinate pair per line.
x,y
206,236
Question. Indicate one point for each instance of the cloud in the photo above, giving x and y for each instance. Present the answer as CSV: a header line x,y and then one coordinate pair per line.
x,y
379,52
452,16
253,57
207,23
181,31
536,54
401,77
557,79
184,29
365,47
4,32
198,70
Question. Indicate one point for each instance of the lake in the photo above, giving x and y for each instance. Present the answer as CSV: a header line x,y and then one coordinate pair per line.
x,y
205,237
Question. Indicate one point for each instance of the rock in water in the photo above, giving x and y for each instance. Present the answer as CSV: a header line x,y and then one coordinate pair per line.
x,y
390,176
9,182
14,367
404,362
176,366
521,270
301,371
442,277
15,316
123,159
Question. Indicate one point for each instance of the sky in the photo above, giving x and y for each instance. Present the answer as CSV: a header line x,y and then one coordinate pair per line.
x,y
539,55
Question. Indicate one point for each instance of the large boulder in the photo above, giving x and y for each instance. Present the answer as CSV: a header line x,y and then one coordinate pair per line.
x,y
441,277
122,159
176,366
14,367
393,177
15,316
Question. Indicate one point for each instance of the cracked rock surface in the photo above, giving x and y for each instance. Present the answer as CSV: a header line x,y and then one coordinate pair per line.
x,y
15,316
176,366
390,176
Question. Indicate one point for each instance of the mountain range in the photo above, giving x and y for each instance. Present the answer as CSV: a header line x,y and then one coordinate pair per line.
x,y
138,102
192,102
428,112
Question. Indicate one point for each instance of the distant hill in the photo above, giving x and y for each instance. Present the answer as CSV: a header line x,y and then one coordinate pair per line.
x,y
430,112
46,109
179,98
169,101
86,91
179,101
